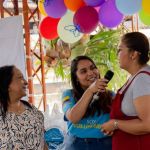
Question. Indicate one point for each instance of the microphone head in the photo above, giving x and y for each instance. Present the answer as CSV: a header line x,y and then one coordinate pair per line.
x,y
109,74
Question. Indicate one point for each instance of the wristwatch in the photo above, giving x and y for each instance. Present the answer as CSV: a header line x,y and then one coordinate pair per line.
x,y
115,124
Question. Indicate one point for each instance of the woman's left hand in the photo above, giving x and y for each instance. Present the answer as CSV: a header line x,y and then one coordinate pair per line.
x,y
108,127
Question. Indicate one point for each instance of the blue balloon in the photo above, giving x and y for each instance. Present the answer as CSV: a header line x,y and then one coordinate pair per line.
x,y
94,3
128,7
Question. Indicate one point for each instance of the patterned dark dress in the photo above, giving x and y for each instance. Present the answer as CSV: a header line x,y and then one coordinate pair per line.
x,y
22,132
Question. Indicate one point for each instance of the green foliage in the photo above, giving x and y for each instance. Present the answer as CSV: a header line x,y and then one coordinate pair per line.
x,y
102,48
104,45
50,43
62,71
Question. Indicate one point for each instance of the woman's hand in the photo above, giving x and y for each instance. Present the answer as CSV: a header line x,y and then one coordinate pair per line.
x,y
98,86
108,127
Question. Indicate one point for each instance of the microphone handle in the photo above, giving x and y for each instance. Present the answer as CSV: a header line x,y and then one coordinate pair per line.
x,y
95,98
109,74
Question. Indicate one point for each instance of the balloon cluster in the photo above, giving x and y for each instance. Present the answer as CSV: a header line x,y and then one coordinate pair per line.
x,y
71,19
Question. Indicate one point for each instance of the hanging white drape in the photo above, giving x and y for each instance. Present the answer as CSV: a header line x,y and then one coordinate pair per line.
x,y
11,43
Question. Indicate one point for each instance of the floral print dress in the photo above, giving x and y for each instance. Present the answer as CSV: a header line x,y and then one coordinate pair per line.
x,y
22,132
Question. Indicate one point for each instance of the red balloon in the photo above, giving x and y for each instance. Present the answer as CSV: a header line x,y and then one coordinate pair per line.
x,y
48,28
86,19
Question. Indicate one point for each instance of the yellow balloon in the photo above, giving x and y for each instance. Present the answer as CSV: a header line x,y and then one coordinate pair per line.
x,y
41,7
146,6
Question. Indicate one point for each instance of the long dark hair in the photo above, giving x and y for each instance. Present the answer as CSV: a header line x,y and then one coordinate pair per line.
x,y
137,41
6,75
104,102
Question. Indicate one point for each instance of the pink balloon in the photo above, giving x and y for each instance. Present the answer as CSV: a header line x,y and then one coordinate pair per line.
x,y
109,15
97,8
86,19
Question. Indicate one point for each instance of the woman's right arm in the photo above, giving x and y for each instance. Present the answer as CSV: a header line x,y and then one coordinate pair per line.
x,y
76,113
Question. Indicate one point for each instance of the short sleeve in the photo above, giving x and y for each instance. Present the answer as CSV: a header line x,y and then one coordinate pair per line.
x,y
141,85
67,100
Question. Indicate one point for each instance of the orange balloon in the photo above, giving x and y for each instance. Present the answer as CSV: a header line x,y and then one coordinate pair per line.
x,y
146,6
74,4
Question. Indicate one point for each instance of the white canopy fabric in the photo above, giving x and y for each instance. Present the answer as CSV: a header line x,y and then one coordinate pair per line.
x,y
11,43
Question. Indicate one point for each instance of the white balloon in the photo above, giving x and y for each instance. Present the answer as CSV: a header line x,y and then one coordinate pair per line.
x,y
66,29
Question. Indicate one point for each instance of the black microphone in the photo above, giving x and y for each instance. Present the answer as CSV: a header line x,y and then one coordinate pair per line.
x,y
109,74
